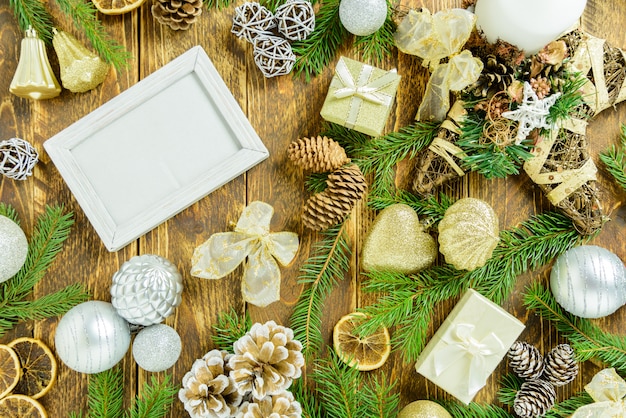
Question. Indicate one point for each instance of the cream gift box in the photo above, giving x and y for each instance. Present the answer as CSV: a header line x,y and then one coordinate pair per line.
x,y
360,96
468,346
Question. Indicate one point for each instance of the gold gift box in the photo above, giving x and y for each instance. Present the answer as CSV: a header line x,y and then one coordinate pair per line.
x,y
360,96
469,345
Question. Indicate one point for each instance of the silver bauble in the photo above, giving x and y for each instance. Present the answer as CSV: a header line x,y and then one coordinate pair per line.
x,y
91,337
589,281
13,248
362,17
157,348
146,289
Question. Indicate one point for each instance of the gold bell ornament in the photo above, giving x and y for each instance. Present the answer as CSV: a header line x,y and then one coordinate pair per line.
x,y
81,69
33,77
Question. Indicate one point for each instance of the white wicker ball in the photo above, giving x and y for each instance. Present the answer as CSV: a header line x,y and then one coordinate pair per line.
x,y
273,55
295,19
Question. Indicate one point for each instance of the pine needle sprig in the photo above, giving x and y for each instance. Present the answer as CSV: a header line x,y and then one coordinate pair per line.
x,y
10,212
83,13
614,159
328,264
431,209
47,306
316,52
510,384
380,397
571,98
316,182
217,4
380,44
33,13
155,398
308,399
586,338
475,410
105,394
229,328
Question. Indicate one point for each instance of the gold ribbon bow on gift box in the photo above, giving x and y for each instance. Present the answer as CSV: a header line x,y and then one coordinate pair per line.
x,y
462,344
433,38
223,252
608,390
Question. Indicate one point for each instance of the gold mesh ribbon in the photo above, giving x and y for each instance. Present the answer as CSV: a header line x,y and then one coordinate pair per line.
x,y
568,180
608,390
251,241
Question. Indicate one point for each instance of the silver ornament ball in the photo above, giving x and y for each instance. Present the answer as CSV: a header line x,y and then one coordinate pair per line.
x,y
589,281
157,348
146,289
91,337
362,17
13,248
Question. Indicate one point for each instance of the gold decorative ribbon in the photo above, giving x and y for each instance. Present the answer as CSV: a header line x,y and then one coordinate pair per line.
x,y
461,346
447,150
222,253
608,390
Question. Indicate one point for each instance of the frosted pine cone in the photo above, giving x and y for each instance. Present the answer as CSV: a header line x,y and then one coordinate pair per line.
x,y
208,391
266,360
177,14
534,399
317,154
525,360
278,406
561,366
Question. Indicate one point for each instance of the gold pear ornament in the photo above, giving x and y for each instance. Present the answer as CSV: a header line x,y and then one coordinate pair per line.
x,y
33,77
81,69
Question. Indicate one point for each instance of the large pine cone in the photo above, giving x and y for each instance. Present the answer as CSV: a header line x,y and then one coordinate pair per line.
x,y
208,391
525,360
561,367
319,154
177,14
496,77
534,399
266,360
281,406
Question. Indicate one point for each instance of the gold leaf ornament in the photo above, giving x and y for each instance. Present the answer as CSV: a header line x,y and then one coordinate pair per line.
x,y
468,233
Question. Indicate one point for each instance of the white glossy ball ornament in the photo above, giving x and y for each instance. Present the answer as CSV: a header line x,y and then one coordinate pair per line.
x,y
91,337
13,248
362,17
157,348
589,281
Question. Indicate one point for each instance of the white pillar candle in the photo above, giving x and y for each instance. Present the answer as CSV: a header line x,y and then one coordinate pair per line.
x,y
527,24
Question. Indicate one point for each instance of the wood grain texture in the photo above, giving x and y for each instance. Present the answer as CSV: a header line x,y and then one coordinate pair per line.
x,y
280,110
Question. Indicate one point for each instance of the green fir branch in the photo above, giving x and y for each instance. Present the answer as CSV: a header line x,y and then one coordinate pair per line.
x,y
316,182
474,410
571,98
33,13
84,15
431,209
10,212
380,397
586,338
229,328
328,264
105,394
217,4
48,306
155,399
509,385
308,399
380,44
614,159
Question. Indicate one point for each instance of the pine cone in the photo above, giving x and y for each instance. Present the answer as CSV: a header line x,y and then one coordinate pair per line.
x,y
345,187
534,399
177,14
266,360
208,391
282,405
561,367
496,77
317,154
525,360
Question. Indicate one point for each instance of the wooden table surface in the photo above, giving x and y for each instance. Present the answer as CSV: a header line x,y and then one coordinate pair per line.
x,y
281,110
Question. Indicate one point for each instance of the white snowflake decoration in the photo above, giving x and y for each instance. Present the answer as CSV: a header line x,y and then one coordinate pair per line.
x,y
532,113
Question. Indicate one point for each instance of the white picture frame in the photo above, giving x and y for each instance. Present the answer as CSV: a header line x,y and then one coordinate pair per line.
x,y
155,149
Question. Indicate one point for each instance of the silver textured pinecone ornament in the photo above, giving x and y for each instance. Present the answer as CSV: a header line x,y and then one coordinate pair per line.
x,y
146,289
561,367
280,406
525,360
534,399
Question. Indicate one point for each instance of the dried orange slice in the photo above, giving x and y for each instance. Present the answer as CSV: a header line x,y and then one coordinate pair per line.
x,y
366,352
22,406
10,370
116,7
39,367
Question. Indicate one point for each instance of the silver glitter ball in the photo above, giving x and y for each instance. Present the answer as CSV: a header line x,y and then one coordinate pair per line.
x,y
146,289
362,17
13,248
91,337
589,281
157,348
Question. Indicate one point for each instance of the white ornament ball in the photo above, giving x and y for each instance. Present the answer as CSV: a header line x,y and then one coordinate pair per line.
x,y
13,248
157,348
362,17
589,281
91,337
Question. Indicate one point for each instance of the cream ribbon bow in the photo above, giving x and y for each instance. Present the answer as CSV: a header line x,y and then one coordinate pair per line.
x,y
223,252
461,344
608,390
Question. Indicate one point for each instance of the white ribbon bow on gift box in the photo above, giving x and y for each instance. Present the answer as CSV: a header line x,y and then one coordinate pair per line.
x,y
223,252
608,390
462,344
